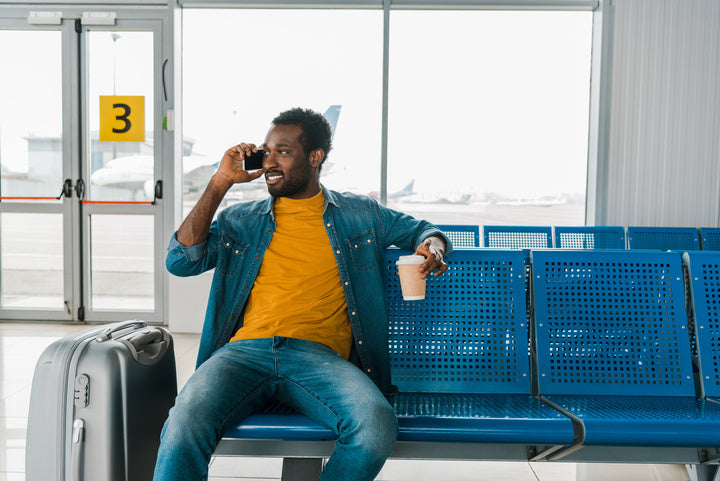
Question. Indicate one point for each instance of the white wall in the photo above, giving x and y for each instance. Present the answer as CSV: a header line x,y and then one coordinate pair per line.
x,y
188,300
663,165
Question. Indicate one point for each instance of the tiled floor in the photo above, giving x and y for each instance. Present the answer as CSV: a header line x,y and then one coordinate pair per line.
x,y
22,343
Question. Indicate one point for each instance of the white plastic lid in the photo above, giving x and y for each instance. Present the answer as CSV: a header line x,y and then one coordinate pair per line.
x,y
413,259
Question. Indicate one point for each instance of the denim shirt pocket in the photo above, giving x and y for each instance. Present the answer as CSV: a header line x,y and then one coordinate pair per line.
x,y
230,256
363,251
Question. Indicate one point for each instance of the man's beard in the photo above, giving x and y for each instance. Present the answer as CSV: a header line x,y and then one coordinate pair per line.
x,y
292,183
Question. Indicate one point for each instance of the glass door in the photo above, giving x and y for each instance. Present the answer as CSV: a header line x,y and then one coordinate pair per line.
x,y
35,216
81,143
122,144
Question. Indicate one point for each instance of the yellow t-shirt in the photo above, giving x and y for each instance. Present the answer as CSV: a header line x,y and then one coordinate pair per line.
x,y
298,292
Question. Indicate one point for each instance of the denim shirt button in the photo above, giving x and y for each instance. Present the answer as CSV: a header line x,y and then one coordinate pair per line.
x,y
337,252
353,313
347,283
328,224
369,370
360,342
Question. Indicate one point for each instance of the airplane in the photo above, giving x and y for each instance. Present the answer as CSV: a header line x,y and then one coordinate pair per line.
x,y
545,201
408,195
136,172
406,191
462,199
438,198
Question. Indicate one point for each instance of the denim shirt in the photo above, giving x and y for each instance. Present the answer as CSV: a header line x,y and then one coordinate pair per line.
x,y
359,230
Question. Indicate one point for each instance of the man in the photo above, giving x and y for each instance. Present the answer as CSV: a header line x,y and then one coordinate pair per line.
x,y
296,311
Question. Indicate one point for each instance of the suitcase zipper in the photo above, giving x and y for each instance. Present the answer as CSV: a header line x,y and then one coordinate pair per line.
x,y
73,471
78,451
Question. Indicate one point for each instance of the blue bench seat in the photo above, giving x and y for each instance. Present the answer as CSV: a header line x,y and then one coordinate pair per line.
x,y
480,418
460,359
573,355
283,426
461,235
613,347
664,238
483,418
590,237
645,420
517,237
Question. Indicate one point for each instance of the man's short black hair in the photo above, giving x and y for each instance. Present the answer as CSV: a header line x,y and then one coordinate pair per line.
x,y
317,133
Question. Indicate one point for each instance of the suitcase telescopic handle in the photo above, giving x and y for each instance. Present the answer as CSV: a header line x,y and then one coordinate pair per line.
x,y
120,326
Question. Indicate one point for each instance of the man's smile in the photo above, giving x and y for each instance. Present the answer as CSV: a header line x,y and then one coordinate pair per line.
x,y
273,177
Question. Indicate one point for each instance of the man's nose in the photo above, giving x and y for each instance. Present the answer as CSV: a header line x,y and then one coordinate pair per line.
x,y
269,160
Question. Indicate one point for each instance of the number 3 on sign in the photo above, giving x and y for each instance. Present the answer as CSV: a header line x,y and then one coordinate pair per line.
x,y
122,118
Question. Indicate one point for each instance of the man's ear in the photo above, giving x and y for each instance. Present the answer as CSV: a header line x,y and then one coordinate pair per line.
x,y
316,157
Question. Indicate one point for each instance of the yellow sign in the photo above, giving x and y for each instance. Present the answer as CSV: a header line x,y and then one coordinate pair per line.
x,y
122,118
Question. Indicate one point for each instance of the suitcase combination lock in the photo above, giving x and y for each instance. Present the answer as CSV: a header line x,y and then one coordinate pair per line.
x,y
82,391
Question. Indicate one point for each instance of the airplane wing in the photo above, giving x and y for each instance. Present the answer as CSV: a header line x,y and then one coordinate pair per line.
x,y
129,172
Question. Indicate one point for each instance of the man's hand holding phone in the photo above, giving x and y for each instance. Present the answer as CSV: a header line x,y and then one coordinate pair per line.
x,y
237,163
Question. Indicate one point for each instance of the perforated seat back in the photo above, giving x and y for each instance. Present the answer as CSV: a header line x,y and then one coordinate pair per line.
x,y
461,235
590,237
704,273
469,334
710,238
663,238
517,237
611,323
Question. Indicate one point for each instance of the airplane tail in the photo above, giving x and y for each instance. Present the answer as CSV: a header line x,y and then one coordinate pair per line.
x,y
408,189
332,114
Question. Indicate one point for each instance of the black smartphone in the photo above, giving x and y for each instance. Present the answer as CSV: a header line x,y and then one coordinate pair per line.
x,y
254,161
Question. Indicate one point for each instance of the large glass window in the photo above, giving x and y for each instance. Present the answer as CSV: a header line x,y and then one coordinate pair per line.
x,y
488,110
488,116
243,67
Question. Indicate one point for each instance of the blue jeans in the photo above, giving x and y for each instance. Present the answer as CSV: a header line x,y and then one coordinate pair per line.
x,y
245,376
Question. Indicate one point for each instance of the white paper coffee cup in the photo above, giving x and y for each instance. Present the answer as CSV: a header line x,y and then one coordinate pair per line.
x,y
412,285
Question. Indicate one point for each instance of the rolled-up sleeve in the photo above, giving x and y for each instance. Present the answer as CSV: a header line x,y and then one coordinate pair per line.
x,y
193,253
183,261
430,231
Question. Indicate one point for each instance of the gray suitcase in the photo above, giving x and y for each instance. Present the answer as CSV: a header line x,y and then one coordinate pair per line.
x,y
98,403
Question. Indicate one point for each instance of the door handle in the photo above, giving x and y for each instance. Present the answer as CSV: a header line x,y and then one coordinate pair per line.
x,y
158,190
80,188
66,190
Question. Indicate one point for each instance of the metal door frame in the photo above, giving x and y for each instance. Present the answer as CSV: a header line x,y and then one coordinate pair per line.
x,y
75,148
